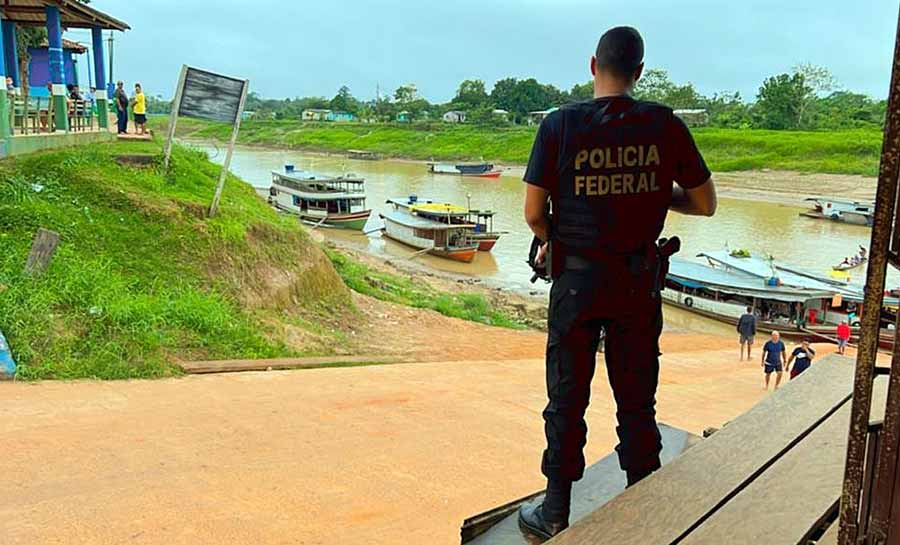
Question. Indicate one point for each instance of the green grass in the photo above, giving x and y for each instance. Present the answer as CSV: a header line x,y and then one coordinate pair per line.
x,y
407,291
841,152
141,277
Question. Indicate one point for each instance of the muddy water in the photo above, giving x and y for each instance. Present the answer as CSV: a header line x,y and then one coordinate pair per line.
x,y
772,228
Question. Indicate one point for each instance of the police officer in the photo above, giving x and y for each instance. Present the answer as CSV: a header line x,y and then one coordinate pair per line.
x,y
609,167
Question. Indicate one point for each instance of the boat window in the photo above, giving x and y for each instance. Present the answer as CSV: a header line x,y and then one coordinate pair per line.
x,y
423,233
296,200
862,209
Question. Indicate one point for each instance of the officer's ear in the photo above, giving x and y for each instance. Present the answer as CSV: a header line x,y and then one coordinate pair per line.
x,y
593,65
638,73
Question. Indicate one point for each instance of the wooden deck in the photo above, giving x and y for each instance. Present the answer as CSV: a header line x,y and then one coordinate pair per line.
x,y
772,476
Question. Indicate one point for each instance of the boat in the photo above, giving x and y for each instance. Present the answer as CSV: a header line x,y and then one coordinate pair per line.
x,y
363,155
334,202
483,220
850,263
480,170
445,239
788,299
842,210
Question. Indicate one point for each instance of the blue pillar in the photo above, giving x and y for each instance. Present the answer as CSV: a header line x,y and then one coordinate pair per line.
x,y
5,131
100,77
11,52
57,69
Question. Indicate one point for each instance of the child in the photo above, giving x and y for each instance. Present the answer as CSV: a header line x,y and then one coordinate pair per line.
x,y
140,109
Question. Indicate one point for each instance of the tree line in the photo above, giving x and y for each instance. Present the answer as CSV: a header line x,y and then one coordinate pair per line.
x,y
806,98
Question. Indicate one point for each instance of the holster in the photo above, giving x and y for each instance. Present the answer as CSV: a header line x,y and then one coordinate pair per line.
x,y
665,248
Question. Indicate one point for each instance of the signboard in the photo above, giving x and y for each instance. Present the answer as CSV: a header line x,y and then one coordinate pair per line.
x,y
205,95
210,96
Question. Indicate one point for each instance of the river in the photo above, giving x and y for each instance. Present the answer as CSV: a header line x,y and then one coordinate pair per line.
x,y
758,226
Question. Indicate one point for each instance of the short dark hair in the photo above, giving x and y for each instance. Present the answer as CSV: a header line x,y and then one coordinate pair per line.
x,y
749,309
620,51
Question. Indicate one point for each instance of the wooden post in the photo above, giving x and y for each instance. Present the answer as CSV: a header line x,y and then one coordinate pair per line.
x,y
173,116
213,208
42,250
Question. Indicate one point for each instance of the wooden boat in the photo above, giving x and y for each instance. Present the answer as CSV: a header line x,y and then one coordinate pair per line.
x,y
333,202
842,210
480,170
849,264
787,299
483,220
363,155
443,239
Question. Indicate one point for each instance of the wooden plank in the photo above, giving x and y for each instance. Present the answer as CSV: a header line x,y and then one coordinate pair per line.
x,y
602,481
664,507
42,250
233,366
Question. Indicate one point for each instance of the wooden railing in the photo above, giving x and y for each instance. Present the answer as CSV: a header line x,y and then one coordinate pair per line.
x,y
36,115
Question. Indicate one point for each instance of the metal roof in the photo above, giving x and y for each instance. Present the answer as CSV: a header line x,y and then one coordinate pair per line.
x,y
73,14
418,222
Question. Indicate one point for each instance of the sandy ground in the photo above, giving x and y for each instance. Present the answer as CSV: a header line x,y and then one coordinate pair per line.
x,y
367,455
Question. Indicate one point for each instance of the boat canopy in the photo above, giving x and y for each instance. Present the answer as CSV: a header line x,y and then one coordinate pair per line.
x,y
418,222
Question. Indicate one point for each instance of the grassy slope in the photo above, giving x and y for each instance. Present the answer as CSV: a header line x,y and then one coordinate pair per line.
x,y
841,152
140,276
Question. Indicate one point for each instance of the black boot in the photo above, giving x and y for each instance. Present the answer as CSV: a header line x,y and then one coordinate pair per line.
x,y
636,475
532,521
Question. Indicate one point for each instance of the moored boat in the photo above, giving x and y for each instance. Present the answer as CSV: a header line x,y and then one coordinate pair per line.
x,y
482,221
480,170
788,299
333,202
842,210
423,231
363,155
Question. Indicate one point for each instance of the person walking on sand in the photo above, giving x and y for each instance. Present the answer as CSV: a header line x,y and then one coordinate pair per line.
x,y
803,355
139,107
843,336
746,328
121,99
773,357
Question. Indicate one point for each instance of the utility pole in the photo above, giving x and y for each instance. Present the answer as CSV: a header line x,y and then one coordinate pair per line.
x,y
111,78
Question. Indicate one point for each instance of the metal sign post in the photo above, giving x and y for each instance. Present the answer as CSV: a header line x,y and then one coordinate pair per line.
x,y
213,97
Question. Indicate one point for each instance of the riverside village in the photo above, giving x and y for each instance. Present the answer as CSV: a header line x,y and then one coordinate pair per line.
x,y
394,273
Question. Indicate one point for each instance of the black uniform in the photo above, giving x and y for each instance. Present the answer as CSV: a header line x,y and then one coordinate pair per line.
x,y
609,165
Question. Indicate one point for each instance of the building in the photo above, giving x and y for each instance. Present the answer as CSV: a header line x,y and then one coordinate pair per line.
x,y
500,113
341,116
322,114
39,66
693,118
454,116
404,117
535,117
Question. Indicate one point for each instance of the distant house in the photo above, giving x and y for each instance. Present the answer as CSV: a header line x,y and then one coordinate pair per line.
x,y
39,67
501,113
693,118
403,117
315,114
454,116
341,116
535,117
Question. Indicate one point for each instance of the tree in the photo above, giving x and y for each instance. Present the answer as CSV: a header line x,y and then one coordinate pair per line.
x,y
819,82
656,86
728,110
406,93
470,94
780,102
581,91
344,101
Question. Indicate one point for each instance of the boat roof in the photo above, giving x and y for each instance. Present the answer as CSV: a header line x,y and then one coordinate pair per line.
x,y
439,208
419,222
302,176
838,199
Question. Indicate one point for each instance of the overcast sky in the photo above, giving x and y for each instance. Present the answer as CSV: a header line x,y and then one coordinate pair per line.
x,y
312,47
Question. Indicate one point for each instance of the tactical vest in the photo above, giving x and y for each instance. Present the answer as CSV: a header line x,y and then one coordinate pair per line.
x,y
615,174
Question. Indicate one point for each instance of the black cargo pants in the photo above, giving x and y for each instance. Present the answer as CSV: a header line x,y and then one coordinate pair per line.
x,y
621,298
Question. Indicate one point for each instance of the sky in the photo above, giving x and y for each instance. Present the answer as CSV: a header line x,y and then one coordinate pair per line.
x,y
312,47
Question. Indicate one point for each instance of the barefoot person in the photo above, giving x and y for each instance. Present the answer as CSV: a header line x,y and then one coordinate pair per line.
x,y
606,265
746,328
773,357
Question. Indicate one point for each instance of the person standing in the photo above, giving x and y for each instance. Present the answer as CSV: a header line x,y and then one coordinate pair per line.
x,y
803,355
843,336
121,99
609,167
746,328
140,109
773,357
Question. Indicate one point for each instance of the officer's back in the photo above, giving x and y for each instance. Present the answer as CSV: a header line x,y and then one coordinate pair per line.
x,y
609,167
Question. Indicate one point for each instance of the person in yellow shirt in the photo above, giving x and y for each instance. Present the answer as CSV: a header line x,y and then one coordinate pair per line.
x,y
139,107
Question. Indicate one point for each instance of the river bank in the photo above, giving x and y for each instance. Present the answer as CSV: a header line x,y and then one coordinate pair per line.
x,y
726,150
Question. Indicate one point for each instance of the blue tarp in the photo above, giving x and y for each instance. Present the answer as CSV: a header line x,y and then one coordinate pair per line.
x,y
7,365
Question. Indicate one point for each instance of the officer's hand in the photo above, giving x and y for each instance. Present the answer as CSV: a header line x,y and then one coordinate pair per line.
x,y
542,254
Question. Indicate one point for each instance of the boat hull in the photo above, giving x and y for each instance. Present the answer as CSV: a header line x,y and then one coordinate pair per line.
x,y
465,254
845,217
354,221
486,242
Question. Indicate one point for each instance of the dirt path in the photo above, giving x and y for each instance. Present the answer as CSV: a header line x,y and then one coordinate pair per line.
x,y
368,455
